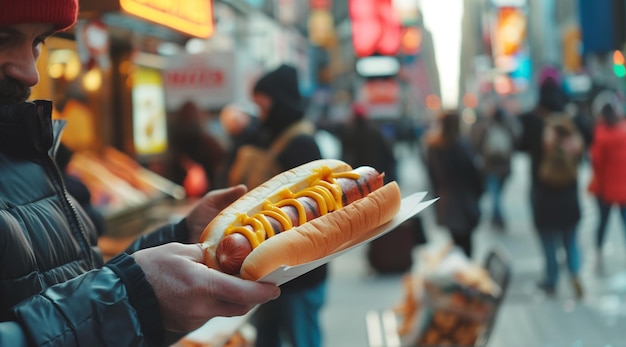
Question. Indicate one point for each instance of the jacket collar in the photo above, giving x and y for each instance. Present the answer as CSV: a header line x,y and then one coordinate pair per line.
x,y
27,128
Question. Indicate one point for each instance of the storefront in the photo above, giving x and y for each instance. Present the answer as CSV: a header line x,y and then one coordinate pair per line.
x,y
105,78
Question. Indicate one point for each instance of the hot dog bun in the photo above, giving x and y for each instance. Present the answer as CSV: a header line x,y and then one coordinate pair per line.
x,y
310,241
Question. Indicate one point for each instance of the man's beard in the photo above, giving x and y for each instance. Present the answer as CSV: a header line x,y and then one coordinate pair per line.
x,y
13,92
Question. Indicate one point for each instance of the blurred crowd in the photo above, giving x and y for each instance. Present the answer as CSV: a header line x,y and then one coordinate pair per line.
x,y
465,163
558,134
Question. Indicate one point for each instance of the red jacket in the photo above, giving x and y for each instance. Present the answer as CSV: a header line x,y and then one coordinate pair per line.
x,y
608,160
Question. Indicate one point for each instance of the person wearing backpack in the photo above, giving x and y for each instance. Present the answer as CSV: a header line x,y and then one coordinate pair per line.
x,y
496,141
286,138
554,201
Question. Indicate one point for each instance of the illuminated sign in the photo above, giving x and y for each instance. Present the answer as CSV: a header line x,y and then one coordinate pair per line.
x,y
376,66
376,27
193,17
149,122
510,31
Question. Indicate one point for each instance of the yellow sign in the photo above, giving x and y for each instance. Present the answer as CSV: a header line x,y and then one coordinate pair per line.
x,y
193,17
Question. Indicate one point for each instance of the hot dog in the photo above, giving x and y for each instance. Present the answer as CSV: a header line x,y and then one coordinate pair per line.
x,y
323,205
235,246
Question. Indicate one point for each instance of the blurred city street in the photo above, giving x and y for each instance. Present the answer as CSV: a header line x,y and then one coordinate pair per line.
x,y
527,317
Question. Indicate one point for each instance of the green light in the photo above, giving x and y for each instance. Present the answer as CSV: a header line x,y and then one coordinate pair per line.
x,y
619,70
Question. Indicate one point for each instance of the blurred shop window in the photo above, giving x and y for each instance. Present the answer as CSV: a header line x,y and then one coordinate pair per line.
x,y
70,99
79,132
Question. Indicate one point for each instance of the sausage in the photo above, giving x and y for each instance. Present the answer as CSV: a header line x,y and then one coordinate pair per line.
x,y
234,248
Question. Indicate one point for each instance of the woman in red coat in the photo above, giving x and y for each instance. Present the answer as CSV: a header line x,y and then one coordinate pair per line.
x,y
608,160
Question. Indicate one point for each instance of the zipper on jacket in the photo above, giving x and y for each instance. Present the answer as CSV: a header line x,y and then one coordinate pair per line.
x,y
57,177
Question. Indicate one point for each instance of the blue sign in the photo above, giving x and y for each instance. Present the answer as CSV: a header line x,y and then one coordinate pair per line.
x,y
596,24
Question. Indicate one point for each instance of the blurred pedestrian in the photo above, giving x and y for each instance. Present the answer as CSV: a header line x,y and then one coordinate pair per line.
x,y
241,128
583,119
608,163
496,139
294,318
363,144
195,156
556,208
455,178
56,289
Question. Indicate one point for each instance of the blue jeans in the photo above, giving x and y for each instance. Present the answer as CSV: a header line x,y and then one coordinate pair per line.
x,y
549,239
293,317
494,185
604,209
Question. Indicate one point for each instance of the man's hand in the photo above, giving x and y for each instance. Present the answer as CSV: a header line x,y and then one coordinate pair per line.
x,y
190,293
208,207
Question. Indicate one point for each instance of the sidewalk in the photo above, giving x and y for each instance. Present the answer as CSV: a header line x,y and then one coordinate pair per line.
x,y
527,318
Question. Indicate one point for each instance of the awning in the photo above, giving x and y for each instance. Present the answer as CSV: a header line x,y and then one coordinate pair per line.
x,y
167,19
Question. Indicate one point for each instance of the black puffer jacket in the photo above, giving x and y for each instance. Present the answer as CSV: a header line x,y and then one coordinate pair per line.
x,y
52,282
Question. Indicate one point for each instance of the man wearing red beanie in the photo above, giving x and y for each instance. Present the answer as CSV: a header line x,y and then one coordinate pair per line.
x,y
55,289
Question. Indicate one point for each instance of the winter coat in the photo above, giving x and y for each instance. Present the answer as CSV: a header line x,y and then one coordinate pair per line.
x,y
52,279
281,86
552,207
608,160
363,144
456,180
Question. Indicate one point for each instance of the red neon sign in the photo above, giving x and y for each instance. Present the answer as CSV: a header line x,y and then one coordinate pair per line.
x,y
376,29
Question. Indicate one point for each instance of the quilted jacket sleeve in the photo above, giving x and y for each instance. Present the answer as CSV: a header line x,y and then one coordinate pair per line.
x,y
112,306
11,334
168,233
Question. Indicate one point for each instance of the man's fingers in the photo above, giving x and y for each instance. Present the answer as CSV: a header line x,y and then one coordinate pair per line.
x,y
232,289
229,288
231,194
227,196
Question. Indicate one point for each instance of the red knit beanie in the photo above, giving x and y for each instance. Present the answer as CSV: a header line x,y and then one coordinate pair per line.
x,y
61,13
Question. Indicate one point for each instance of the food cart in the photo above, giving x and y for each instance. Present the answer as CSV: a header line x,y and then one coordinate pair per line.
x,y
447,302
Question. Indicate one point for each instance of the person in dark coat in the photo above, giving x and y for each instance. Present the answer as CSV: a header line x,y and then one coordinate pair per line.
x,y
363,144
456,179
295,315
191,144
495,137
241,128
556,211
55,289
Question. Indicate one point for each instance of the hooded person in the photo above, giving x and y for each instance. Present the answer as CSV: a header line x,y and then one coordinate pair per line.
x,y
280,104
283,138
295,315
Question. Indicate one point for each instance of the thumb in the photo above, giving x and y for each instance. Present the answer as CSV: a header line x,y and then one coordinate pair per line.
x,y
221,198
